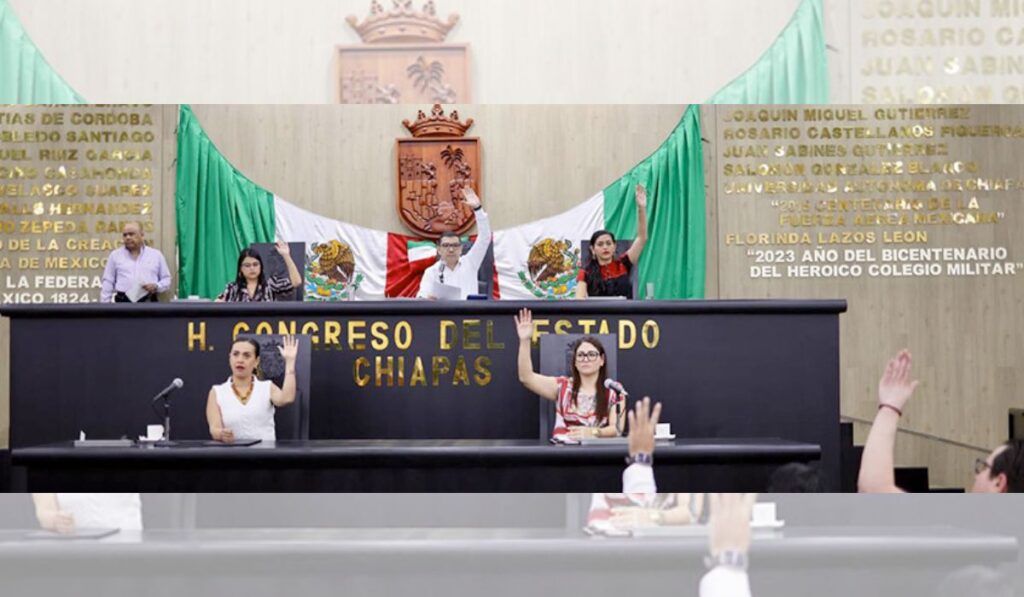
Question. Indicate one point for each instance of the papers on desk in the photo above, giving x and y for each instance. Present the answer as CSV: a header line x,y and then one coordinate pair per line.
x,y
446,292
604,441
673,530
75,535
238,443
104,443
564,439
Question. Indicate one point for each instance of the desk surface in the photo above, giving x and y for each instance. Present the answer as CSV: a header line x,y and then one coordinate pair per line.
x,y
178,309
405,465
495,562
431,451
806,546
682,353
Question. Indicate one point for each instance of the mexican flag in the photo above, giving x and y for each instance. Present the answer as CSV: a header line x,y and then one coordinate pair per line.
x,y
220,212
541,260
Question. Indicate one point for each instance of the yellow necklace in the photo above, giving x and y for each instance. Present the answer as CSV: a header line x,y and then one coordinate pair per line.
x,y
244,399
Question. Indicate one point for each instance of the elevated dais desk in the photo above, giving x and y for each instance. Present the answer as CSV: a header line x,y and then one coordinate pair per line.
x,y
416,370
404,466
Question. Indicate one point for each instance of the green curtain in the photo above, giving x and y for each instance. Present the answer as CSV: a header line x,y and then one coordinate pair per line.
x,y
25,76
793,71
219,212
674,258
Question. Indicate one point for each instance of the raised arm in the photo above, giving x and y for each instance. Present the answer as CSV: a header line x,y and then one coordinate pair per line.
x,y
476,254
638,478
729,543
877,471
286,395
641,226
293,271
542,385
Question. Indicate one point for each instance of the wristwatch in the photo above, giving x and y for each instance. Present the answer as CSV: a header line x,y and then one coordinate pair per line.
x,y
640,458
730,558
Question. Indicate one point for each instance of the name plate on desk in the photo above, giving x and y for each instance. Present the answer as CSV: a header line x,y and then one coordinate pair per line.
x,y
613,441
104,443
604,441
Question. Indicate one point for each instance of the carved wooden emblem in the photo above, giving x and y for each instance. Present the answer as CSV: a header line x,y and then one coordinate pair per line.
x,y
404,58
433,168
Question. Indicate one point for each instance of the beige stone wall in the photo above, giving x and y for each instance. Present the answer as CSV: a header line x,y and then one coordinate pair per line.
x,y
523,51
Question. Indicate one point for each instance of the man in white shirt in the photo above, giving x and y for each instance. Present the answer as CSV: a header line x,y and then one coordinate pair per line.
x,y
456,274
730,513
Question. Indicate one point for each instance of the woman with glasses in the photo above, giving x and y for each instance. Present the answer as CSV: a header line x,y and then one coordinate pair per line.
x,y
251,285
608,275
583,407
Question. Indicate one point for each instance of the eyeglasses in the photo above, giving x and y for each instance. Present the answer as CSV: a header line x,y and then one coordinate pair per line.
x,y
981,465
587,356
450,246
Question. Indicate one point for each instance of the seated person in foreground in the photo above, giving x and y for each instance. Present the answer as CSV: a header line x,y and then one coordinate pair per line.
x,y
624,511
243,406
66,512
583,406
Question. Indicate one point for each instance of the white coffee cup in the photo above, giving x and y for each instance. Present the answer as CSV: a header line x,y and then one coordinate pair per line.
x,y
663,430
763,513
154,432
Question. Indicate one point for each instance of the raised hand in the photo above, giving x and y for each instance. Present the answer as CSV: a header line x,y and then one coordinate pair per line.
x,y
643,422
282,248
895,388
472,199
524,325
290,350
641,196
730,522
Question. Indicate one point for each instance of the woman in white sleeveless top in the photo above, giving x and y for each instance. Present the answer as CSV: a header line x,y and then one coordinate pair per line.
x,y
243,406
65,512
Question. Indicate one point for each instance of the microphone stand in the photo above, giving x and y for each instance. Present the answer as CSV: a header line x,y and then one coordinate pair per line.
x,y
623,409
166,441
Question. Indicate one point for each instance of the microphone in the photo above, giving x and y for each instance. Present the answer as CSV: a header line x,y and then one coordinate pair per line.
x,y
177,383
611,384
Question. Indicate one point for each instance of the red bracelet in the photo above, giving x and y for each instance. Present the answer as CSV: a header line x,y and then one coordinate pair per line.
x,y
894,409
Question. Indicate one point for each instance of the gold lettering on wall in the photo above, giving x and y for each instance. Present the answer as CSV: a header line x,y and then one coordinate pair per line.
x,y
71,179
